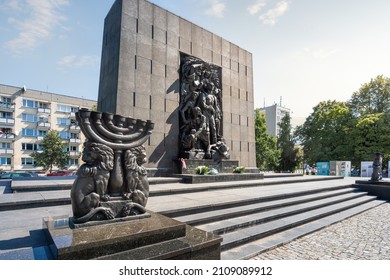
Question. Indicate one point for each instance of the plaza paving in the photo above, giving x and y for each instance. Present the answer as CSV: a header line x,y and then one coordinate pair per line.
x,y
365,236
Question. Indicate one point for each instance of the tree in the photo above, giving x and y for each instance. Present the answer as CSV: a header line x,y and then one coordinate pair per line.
x,y
326,133
372,97
52,153
370,136
267,153
289,155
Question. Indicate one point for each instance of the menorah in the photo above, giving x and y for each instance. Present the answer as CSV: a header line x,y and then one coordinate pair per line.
x,y
113,156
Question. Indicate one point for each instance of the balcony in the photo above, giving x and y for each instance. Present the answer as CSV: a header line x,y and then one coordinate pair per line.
x,y
44,111
6,151
74,128
74,154
7,121
7,107
72,115
74,141
40,138
7,137
43,125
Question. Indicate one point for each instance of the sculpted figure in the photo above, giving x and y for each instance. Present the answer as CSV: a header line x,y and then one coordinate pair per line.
x,y
137,185
200,110
377,167
90,186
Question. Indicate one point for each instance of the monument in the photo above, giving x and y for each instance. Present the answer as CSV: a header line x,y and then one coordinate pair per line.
x,y
110,220
156,65
196,89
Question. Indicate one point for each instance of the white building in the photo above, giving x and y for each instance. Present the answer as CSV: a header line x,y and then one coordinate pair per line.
x,y
274,115
25,118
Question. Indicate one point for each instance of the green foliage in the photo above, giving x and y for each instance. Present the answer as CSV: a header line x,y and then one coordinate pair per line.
x,y
289,154
325,135
372,134
202,170
372,97
351,130
239,169
267,152
52,153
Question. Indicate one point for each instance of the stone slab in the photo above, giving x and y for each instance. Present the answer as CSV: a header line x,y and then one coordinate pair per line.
x,y
119,240
223,166
381,189
223,177
96,241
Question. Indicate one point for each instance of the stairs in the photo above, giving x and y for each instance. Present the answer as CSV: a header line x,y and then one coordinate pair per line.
x,y
251,216
254,226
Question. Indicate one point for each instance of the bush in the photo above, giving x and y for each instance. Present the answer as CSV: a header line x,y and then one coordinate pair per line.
x,y
202,170
239,169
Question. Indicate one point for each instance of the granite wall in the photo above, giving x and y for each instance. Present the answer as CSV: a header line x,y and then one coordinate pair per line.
x,y
142,44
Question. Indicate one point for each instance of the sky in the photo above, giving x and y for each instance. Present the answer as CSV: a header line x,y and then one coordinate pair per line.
x,y
304,51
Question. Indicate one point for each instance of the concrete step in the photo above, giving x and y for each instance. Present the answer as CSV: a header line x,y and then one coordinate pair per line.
x,y
178,212
203,217
243,221
247,234
258,246
170,186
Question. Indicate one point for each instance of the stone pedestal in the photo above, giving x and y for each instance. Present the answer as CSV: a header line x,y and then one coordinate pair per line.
x,y
223,166
157,237
381,189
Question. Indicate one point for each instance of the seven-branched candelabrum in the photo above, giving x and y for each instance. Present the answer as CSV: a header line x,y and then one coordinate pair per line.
x,y
112,182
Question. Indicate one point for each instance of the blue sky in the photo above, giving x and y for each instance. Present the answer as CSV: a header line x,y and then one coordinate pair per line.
x,y
304,51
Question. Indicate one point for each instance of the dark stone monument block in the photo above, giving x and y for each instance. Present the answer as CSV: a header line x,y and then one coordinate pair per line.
x,y
157,237
381,189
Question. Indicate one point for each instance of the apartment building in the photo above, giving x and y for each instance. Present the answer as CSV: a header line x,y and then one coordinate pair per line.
x,y
274,114
25,118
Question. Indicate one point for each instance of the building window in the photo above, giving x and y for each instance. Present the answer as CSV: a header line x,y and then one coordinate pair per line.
x,y
5,161
63,121
6,115
30,103
27,161
5,99
73,161
29,132
5,145
29,118
44,105
64,134
30,147
72,149
64,108
42,133
74,136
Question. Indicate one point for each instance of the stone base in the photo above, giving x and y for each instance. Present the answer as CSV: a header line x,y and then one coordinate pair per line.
x,y
223,177
223,166
381,189
157,237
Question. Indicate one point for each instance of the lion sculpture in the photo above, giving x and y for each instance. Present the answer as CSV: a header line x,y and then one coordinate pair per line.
x,y
90,186
136,183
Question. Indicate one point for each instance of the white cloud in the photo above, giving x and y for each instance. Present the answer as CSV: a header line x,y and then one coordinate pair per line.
x,y
37,22
272,15
11,5
256,7
217,8
74,61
